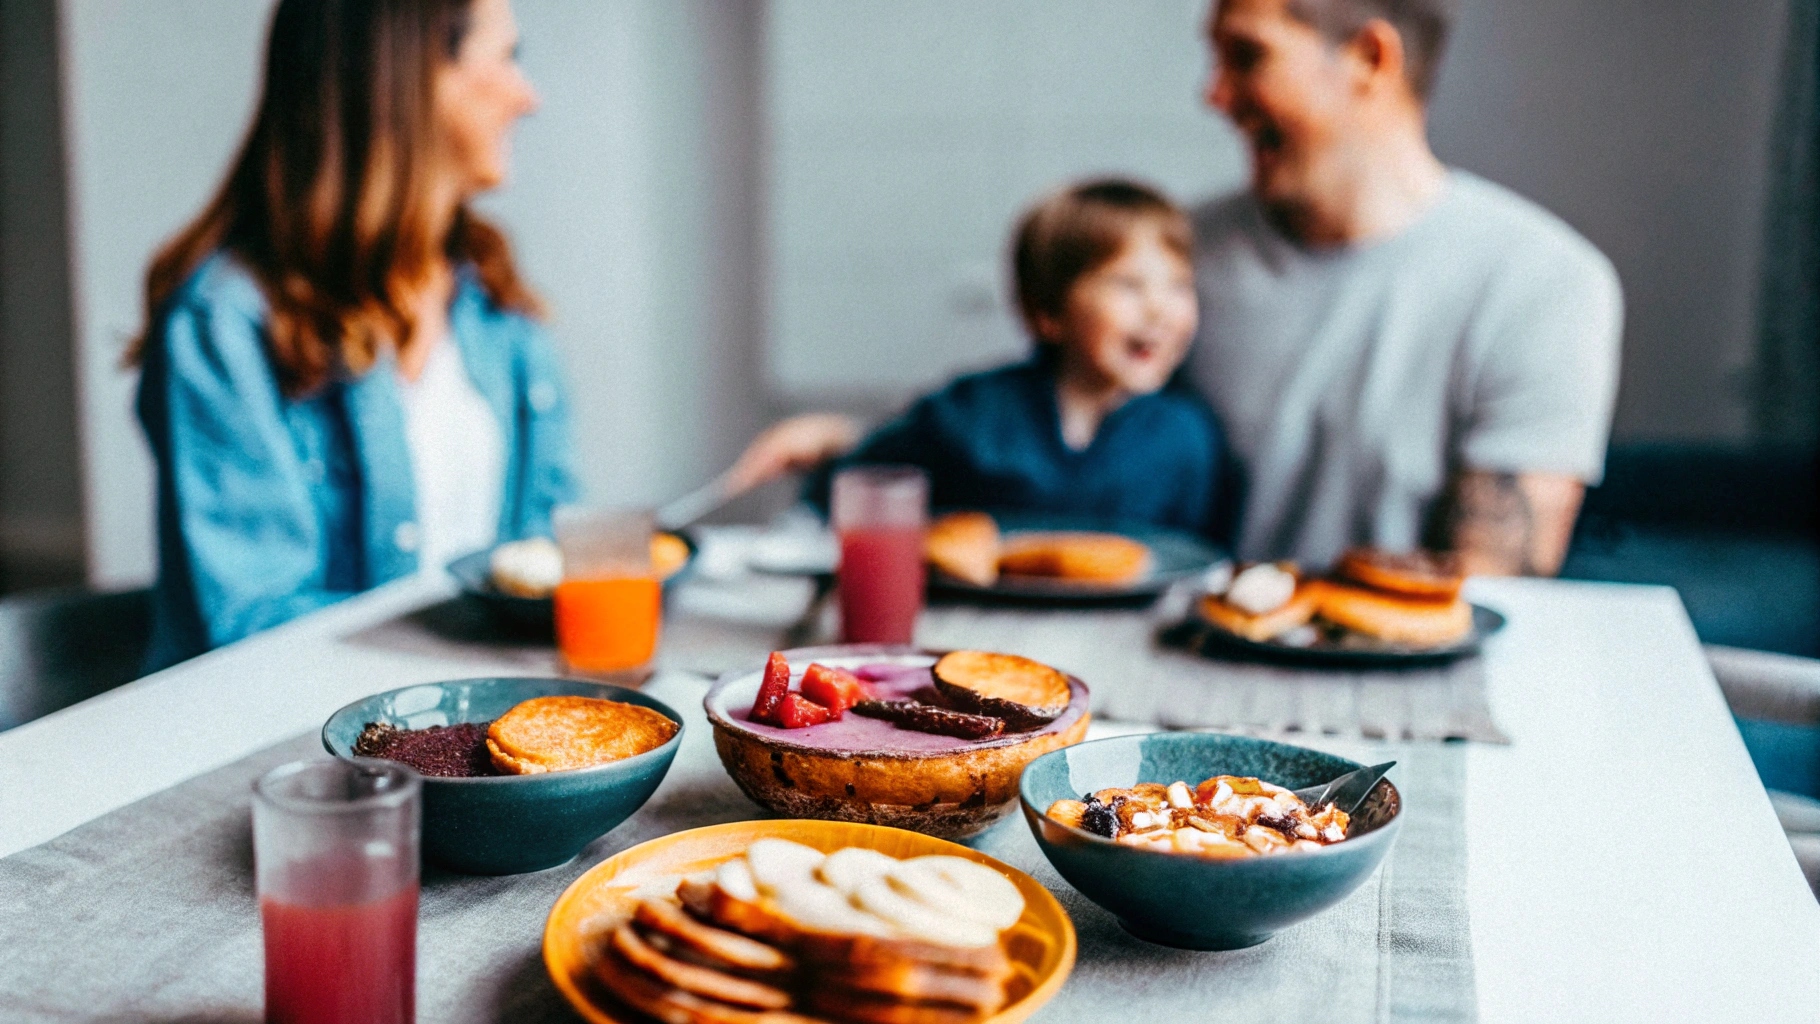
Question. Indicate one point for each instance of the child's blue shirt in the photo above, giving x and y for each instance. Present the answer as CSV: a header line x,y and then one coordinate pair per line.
x,y
993,441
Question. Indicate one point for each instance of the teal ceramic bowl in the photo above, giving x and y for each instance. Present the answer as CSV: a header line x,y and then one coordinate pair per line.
x,y
1190,902
507,825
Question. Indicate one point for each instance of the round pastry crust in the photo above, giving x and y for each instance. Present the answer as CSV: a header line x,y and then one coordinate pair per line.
x,y
1424,575
1401,620
946,793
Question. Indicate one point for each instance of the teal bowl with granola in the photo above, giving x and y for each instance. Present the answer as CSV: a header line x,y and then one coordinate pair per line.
x,y
1209,888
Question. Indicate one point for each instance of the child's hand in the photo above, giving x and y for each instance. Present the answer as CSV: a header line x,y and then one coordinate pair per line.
x,y
792,446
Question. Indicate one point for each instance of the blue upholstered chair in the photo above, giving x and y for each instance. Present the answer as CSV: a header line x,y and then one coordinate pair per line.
x,y
1776,700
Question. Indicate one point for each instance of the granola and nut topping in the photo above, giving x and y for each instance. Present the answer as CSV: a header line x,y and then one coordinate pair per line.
x,y
1225,816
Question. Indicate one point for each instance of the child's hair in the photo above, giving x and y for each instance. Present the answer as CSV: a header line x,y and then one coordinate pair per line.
x,y
1076,230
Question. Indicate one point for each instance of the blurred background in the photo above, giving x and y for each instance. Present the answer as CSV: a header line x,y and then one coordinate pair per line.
x,y
742,208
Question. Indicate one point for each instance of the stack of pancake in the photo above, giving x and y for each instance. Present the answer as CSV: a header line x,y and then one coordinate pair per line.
x,y
968,547
732,949
1409,599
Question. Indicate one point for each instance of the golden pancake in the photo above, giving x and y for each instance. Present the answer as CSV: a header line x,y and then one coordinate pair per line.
x,y
552,734
727,950
1089,557
1400,620
668,554
919,982
820,949
647,995
869,1008
1429,575
703,981
1268,626
965,545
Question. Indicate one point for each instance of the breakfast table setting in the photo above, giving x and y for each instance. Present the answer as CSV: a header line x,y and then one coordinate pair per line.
x,y
1572,829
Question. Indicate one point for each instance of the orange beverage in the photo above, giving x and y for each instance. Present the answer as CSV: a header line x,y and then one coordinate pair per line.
x,y
608,625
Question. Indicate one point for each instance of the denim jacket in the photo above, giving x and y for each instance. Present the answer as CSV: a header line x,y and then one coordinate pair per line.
x,y
270,507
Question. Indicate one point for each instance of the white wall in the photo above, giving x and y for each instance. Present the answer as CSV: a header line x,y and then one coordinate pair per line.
x,y
630,208
155,99
906,137
1646,124
623,210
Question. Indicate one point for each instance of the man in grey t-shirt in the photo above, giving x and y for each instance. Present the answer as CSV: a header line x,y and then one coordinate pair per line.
x,y
1402,354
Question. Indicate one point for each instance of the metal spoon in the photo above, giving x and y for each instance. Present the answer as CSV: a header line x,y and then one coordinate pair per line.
x,y
1346,792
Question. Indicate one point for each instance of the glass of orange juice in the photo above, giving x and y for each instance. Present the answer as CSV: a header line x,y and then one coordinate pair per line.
x,y
609,605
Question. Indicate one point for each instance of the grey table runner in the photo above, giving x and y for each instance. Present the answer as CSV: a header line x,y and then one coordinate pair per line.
x,y
147,914
1137,679
718,627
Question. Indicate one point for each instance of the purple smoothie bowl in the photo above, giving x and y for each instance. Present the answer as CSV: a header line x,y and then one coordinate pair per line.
x,y
872,771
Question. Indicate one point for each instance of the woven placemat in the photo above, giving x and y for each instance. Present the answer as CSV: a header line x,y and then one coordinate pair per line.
x,y
1138,676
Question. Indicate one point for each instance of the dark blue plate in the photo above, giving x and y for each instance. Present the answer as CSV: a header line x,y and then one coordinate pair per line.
x,y
474,574
1175,556
1336,648
1194,902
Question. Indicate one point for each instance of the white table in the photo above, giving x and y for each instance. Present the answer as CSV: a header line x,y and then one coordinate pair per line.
x,y
1623,860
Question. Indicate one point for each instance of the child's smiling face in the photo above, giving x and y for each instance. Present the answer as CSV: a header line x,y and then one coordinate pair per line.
x,y
1127,323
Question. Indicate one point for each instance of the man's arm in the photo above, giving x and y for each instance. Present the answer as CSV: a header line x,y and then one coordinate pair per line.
x,y
1509,524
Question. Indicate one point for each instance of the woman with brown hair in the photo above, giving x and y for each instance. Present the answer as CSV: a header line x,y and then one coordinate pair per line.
x,y
343,379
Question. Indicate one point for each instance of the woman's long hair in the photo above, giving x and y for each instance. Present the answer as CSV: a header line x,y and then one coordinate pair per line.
x,y
328,202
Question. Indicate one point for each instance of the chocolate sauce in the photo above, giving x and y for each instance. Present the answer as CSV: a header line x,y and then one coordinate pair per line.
x,y
910,714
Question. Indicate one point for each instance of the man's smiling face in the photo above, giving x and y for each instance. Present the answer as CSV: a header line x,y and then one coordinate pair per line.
x,y
1287,90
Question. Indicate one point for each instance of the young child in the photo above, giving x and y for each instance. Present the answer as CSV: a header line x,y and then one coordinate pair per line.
x,y
1087,426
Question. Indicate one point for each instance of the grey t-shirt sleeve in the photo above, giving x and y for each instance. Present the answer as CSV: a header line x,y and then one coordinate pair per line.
x,y
1542,374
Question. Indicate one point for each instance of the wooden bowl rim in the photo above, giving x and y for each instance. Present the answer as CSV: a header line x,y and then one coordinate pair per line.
x,y
1080,695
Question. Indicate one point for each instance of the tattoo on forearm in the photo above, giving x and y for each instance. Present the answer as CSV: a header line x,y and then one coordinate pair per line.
x,y
1489,514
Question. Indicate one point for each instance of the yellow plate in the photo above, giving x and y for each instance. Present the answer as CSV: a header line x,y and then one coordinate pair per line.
x,y
1041,944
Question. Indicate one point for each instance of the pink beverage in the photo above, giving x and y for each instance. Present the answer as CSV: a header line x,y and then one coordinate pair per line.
x,y
350,963
335,858
879,513
881,584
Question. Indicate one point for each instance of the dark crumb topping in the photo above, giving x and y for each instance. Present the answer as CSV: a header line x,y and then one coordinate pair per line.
x,y
1100,819
444,751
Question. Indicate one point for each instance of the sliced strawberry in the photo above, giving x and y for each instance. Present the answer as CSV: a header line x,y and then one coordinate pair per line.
x,y
798,712
772,690
833,688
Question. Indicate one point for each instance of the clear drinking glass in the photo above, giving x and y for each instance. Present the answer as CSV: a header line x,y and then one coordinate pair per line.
x,y
879,513
335,855
609,606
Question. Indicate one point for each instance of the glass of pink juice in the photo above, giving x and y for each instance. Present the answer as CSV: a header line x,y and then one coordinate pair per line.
x,y
335,857
879,513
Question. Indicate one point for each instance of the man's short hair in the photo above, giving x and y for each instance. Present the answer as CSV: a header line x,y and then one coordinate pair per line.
x,y
1074,231
1423,24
